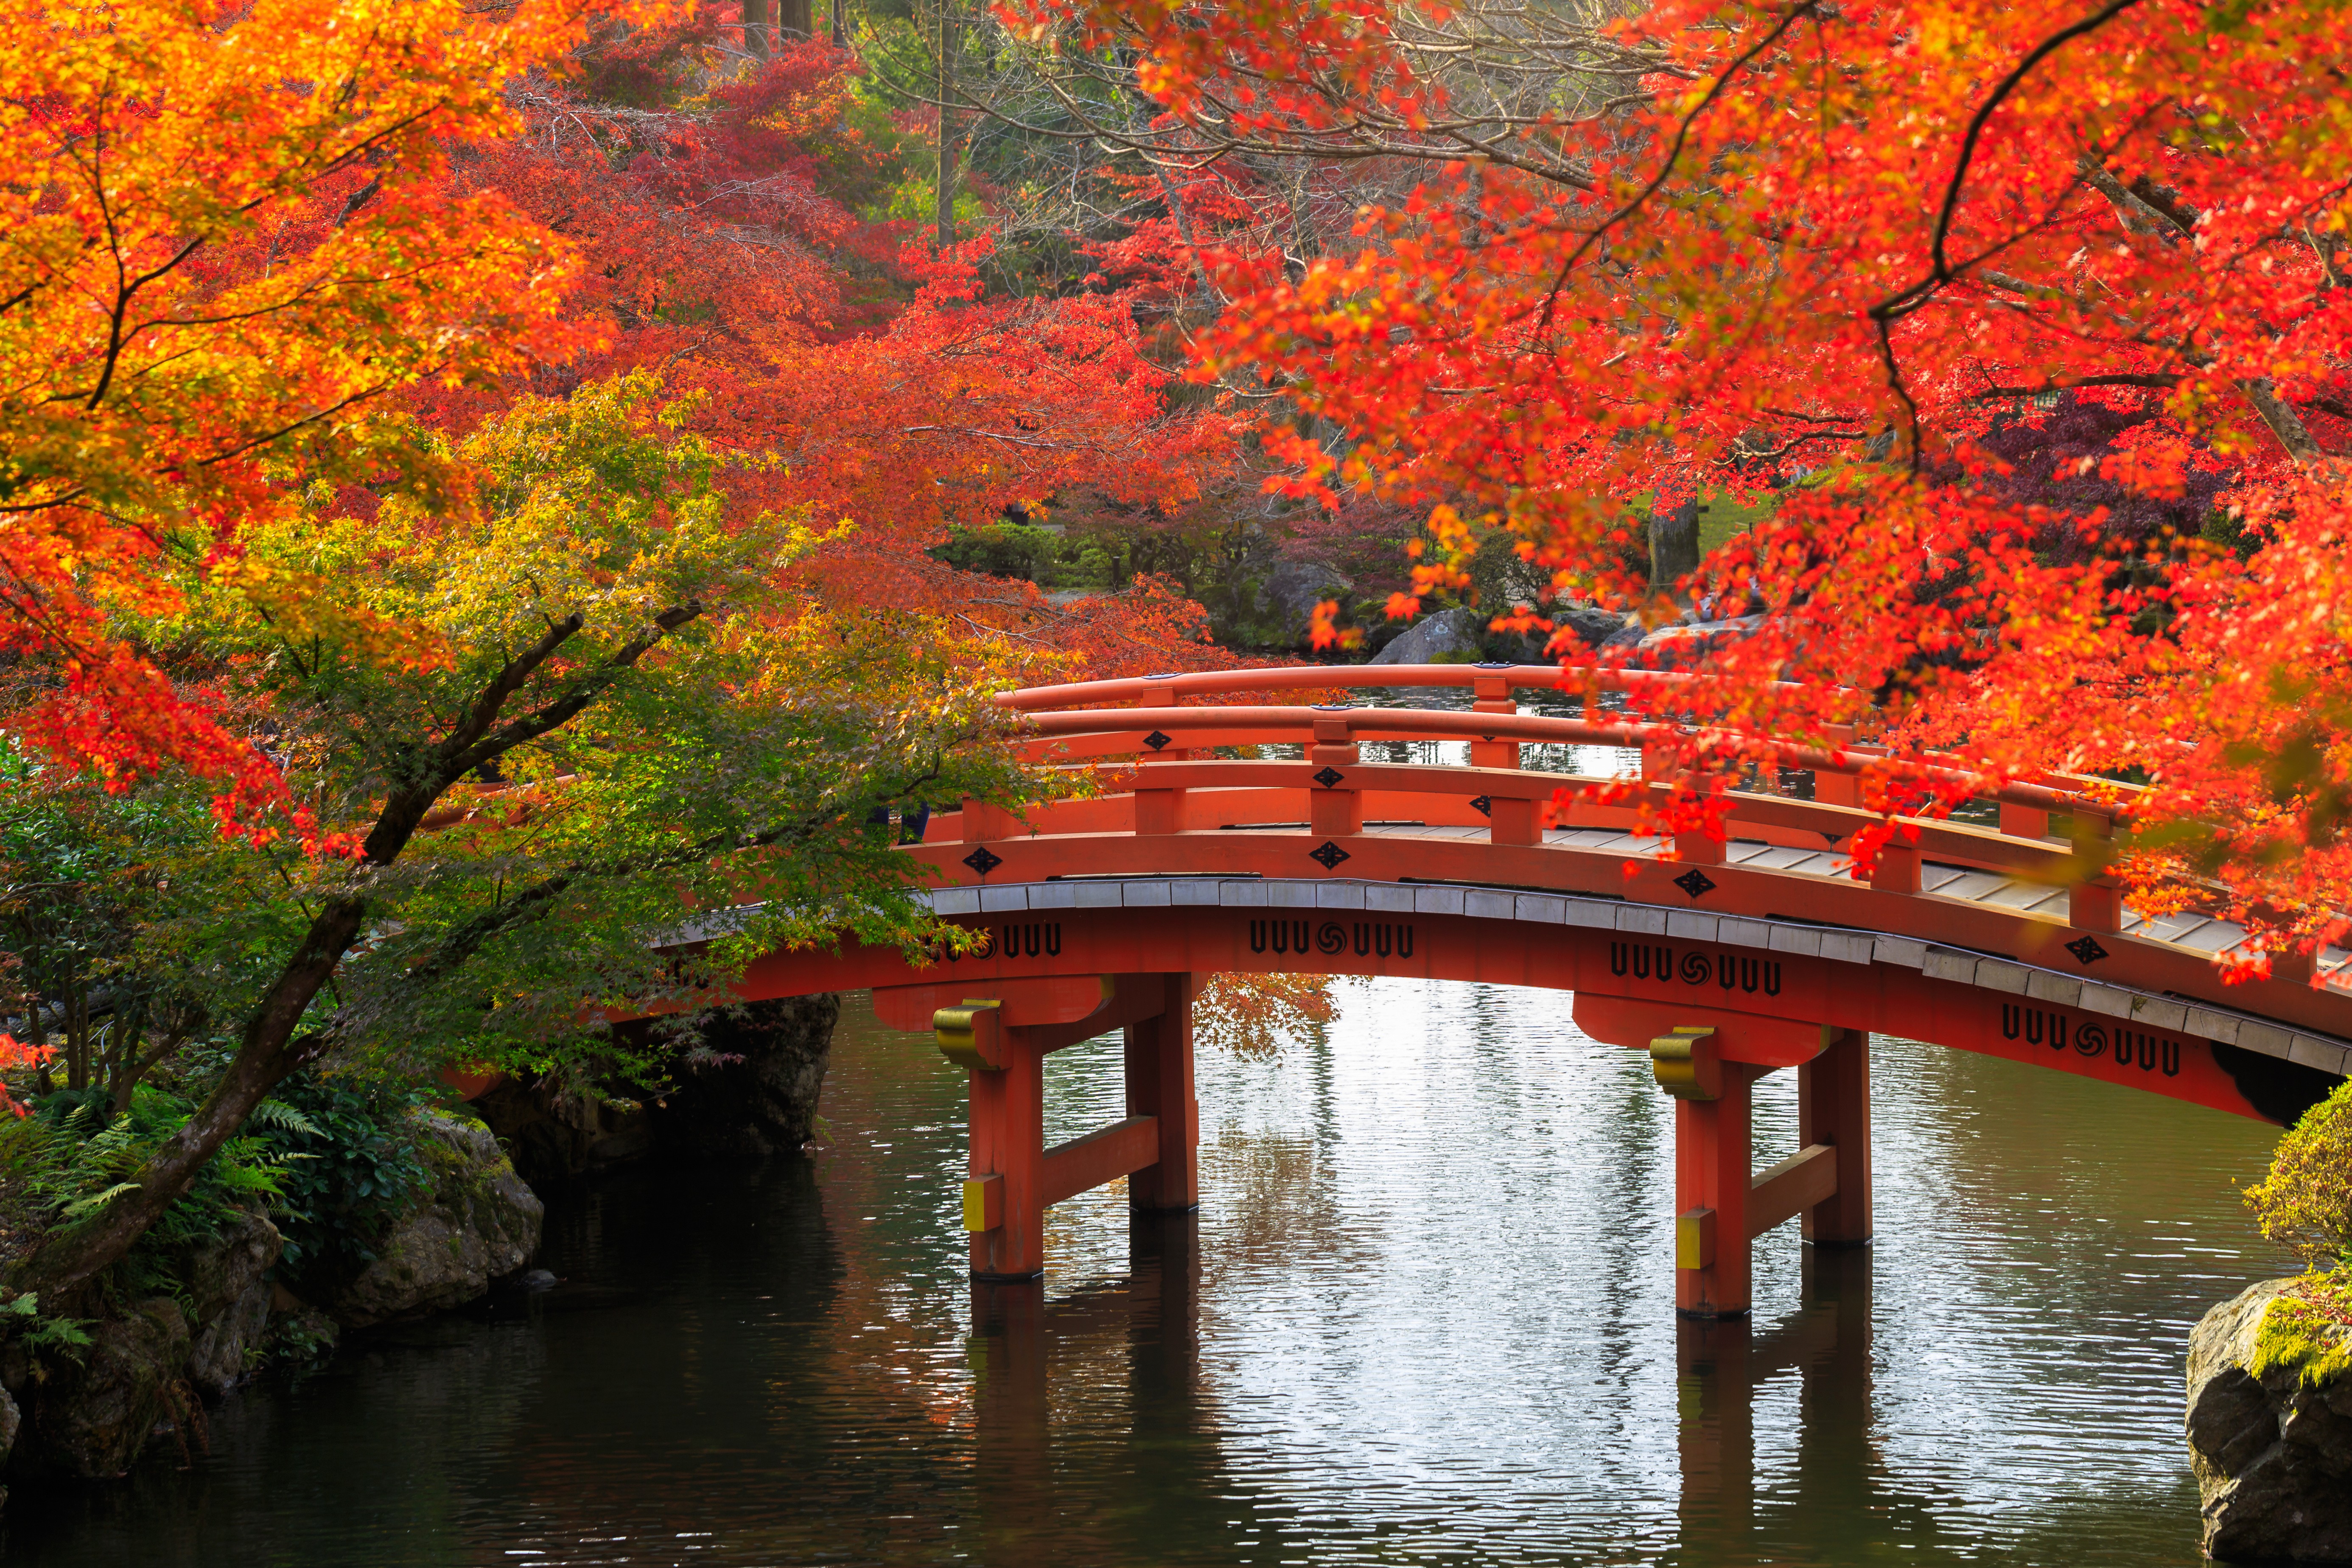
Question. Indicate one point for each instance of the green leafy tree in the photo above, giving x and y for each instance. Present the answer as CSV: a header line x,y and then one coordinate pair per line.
x,y
82,871
579,750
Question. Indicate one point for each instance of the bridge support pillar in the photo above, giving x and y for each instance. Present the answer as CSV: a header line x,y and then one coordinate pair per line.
x,y
1007,1112
1013,1178
1711,1187
1721,1203
1833,1107
1160,1085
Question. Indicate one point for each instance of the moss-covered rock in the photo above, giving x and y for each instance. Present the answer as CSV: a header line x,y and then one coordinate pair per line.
x,y
91,1419
229,1290
476,1222
2270,1429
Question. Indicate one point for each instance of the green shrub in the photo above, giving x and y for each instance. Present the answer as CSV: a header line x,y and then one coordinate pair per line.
x,y
2307,1199
349,1173
329,1157
2306,1202
1000,550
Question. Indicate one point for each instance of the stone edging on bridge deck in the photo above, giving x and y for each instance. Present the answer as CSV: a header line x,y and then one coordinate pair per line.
x,y
1957,964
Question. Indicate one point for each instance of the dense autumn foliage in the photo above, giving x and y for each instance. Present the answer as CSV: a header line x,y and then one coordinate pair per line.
x,y
715,207
1854,256
489,416
222,248
489,446
248,251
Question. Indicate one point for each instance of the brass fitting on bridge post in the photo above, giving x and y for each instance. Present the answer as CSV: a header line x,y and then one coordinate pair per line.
x,y
972,1036
1689,1064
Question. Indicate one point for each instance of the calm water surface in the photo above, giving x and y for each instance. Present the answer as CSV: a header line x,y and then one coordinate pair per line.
x,y
1424,1315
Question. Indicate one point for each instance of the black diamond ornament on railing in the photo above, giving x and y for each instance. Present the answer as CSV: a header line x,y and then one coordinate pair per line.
x,y
1157,740
1329,854
2088,949
982,861
1330,778
1695,882
1483,805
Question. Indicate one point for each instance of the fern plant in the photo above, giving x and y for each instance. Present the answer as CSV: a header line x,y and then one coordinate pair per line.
x,y
75,1154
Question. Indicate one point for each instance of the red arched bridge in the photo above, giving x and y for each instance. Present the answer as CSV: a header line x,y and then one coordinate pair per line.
x,y
1725,962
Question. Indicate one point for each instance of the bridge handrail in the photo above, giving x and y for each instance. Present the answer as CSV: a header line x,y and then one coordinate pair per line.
x,y
1417,723
1955,843
1497,681
1314,677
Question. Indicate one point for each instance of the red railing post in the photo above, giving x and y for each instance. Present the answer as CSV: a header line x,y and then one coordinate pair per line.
x,y
1157,810
2096,903
1696,849
1514,821
1336,809
983,821
1832,788
2024,821
1492,695
1898,869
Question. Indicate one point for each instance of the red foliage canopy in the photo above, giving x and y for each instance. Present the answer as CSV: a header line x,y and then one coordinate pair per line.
x,y
1845,253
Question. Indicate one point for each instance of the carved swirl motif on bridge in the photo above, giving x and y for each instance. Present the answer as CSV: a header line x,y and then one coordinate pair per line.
x,y
1026,938
2037,1026
1370,939
1729,971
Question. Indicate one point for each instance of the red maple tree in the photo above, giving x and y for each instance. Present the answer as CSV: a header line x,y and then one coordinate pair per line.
x,y
1857,257
717,205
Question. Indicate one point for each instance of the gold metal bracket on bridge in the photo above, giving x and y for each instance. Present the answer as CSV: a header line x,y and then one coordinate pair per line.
x,y
972,1036
1689,1064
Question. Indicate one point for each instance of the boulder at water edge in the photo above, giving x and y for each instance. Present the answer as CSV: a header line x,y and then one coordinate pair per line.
x,y
228,1282
758,1094
92,1419
1447,634
1592,626
476,1222
2272,1453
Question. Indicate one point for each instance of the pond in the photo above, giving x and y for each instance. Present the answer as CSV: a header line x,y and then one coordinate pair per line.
x,y
1424,1314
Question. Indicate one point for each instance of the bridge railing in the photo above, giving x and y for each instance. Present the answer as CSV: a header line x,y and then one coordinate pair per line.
x,y
1677,696
1502,679
1170,786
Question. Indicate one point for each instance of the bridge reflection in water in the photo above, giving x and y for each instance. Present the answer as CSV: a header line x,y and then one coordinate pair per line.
x,y
1720,1365
1418,1315
1152,1317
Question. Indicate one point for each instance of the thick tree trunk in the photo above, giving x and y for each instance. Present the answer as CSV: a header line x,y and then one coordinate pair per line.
x,y
1674,545
795,20
268,1056
756,30
945,216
